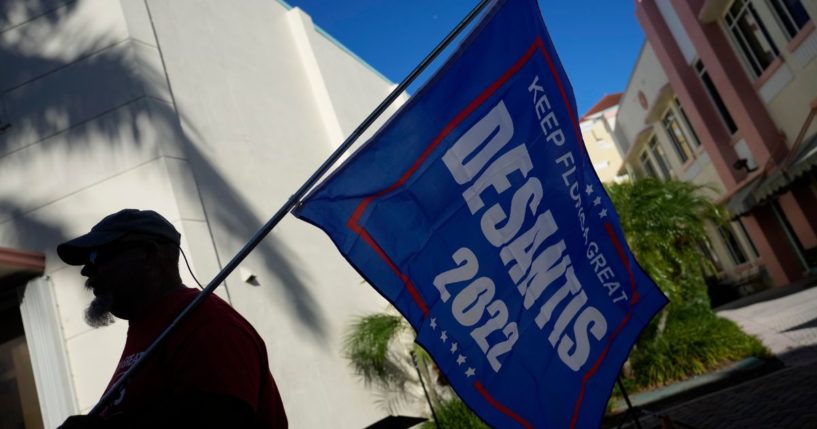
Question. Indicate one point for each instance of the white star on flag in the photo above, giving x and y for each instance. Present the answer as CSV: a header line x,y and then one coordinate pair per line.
x,y
433,323
470,372
444,336
603,213
597,201
453,347
460,360
589,189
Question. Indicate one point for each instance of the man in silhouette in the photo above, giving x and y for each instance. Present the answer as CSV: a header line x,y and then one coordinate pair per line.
x,y
211,372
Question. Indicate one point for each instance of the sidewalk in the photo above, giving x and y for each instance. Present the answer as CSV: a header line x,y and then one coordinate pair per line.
x,y
786,321
786,324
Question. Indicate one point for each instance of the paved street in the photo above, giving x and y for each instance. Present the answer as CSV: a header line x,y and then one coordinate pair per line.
x,y
786,398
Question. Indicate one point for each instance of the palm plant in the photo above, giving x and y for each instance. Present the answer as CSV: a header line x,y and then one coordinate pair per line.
x,y
379,348
664,224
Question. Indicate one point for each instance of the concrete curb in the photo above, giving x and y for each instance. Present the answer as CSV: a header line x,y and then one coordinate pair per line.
x,y
697,386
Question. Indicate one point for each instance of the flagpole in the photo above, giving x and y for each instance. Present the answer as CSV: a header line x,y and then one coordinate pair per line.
x,y
630,409
425,391
289,205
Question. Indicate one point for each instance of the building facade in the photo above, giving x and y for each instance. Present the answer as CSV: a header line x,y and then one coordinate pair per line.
x,y
598,126
210,112
725,93
659,141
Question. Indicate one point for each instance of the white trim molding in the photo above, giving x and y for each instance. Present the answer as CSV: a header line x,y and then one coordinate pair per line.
x,y
776,83
807,51
46,346
299,24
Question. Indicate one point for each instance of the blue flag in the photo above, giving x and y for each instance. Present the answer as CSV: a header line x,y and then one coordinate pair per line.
x,y
476,212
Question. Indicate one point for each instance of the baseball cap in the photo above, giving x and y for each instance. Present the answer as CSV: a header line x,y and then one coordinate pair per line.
x,y
112,228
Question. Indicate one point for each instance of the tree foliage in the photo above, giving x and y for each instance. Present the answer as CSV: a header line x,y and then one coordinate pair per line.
x,y
454,414
379,348
664,224
367,347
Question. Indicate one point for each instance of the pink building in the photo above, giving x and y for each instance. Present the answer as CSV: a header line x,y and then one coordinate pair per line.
x,y
745,74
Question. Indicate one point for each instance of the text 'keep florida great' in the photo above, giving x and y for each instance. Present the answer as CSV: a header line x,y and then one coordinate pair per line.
x,y
476,212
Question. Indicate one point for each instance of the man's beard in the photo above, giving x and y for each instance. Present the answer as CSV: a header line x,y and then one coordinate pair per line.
x,y
98,313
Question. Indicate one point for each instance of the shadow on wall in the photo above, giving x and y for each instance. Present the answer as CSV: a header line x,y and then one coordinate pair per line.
x,y
234,214
47,90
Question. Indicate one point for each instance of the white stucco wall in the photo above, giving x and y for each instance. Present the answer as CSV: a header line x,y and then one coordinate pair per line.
x,y
88,137
95,128
647,77
247,102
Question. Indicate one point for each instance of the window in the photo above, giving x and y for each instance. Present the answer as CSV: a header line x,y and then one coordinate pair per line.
x,y
651,156
716,97
660,158
601,165
792,15
735,250
677,136
706,249
646,165
605,144
695,140
748,238
751,36
595,136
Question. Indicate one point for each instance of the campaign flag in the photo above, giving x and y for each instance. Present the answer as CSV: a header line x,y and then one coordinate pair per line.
x,y
476,212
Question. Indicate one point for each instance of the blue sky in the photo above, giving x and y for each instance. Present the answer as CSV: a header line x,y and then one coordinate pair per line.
x,y
598,40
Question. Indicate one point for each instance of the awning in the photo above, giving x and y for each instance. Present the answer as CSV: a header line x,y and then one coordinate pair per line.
x,y
17,267
744,201
780,180
760,190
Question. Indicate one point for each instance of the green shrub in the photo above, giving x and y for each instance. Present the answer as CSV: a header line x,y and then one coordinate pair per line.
x,y
695,341
366,346
664,223
454,414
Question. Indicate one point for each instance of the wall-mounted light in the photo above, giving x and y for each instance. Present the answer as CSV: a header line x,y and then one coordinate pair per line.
x,y
247,276
743,164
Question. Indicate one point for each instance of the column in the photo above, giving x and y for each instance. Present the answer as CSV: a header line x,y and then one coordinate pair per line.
x,y
687,85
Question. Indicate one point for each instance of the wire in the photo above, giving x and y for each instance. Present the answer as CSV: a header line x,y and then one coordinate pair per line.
x,y
190,270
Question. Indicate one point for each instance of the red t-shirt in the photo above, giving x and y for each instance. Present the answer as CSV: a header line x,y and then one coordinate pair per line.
x,y
214,350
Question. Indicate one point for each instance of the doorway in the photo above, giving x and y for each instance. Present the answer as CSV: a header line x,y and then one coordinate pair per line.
x,y
19,404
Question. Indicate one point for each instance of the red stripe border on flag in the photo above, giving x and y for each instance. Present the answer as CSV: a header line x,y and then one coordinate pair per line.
x,y
353,224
